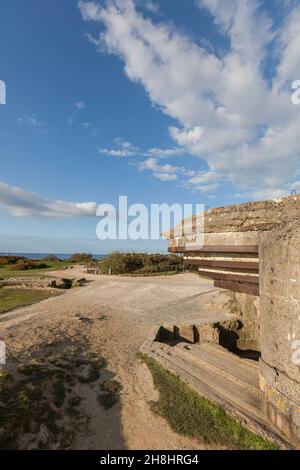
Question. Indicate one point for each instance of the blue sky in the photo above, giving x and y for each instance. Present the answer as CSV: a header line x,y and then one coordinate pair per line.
x,y
164,101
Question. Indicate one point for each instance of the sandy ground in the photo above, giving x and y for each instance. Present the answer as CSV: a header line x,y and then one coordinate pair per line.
x,y
118,314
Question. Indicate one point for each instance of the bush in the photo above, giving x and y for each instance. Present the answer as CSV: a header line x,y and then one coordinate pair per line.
x,y
140,263
81,258
26,264
51,258
7,260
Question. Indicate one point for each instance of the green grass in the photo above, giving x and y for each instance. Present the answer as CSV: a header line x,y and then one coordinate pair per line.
x,y
8,271
43,392
93,373
111,392
14,298
191,415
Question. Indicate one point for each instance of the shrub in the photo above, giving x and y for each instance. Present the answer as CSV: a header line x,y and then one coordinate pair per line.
x,y
51,258
139,263
26,264
6,260
81,258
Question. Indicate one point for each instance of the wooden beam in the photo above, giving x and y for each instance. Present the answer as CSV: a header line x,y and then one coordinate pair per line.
x,y
215,249
238,287
230,277
251,266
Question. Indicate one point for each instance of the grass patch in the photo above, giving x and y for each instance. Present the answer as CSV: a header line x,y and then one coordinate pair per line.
x,y
191,415
14,298
112,390
40,394
93,372
9,270
104,317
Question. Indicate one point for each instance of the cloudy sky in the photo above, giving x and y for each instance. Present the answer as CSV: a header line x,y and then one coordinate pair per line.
x,y
170,101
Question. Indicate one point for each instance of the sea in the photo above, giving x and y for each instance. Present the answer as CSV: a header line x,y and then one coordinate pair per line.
x,y
37,256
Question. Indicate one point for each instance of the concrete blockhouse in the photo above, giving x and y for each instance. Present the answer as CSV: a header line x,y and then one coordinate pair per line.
x,y
253,251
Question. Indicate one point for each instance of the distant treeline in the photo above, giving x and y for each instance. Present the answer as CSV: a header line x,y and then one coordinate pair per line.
x,y
23,263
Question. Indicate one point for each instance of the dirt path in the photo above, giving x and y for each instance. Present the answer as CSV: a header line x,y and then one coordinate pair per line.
x,y
112,316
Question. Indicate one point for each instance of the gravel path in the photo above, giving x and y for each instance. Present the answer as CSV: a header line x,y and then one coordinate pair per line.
x,y
113,316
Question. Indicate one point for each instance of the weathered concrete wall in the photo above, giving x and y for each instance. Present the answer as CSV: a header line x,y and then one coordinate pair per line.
x,y
271,322
280,326
252,216
247,308
241,222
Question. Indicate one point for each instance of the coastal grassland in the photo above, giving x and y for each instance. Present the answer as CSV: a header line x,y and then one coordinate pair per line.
x,y
14,298
191,415
8,271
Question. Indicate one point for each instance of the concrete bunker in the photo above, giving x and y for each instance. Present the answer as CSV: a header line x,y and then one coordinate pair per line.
x,y
252,251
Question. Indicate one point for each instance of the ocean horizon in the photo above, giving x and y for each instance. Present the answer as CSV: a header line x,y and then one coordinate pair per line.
x,y
43,255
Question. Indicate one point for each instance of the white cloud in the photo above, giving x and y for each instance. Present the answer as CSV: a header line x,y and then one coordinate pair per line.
x,y
165,176
207,188
152,164
90,10
229,115
152,7
164,153
161,172
80,105
204,177
204,181
21,203
123,149
30,121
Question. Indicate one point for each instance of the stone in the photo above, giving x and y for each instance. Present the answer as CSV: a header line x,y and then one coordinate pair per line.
x,y
63,283
79,282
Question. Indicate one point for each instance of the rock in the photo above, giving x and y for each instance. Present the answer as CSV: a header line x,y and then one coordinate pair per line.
x,y
63,283
79,282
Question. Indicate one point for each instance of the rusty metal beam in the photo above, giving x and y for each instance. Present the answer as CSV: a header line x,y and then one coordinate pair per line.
x,y
234,286
216,249
230,277
251,266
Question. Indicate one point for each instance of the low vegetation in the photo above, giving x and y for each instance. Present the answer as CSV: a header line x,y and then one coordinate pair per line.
x,y
14,298
191,415
111,391
81,258
140,264
13,267
40,401
26,264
